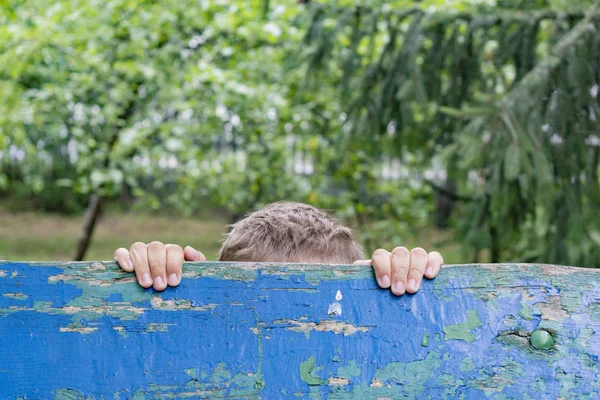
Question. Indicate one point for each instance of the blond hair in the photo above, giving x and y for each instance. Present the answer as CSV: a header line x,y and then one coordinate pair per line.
x,y
290,232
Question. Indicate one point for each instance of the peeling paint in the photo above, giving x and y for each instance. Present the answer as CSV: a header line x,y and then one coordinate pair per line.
x,y
79,329
16,296
334,310
336,327
178,304
232,331
334,381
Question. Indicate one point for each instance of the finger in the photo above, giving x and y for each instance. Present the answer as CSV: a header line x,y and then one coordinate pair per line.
x,y
157,260
418,262
121,256
381,265
435,262
191,254
174,264
362,262
139,256
400,265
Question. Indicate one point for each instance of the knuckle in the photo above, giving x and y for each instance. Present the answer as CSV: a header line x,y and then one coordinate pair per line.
x,y
400,251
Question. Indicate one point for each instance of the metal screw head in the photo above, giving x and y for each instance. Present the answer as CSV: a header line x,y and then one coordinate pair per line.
x,y
541,340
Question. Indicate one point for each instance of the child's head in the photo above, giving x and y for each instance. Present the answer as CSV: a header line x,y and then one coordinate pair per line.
x,y
290,232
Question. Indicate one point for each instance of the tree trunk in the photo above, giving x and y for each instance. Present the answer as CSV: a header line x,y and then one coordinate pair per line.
x,y
89,222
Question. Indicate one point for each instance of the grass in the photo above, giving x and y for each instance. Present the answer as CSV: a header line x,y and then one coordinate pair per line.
x,y
29,236
36,236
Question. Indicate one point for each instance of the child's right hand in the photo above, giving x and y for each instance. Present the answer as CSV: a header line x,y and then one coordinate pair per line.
x,y
156,264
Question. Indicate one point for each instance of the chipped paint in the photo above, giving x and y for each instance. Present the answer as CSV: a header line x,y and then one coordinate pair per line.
x,y
254,330
334,310
334,381
78,329
16,296
178,304
336,327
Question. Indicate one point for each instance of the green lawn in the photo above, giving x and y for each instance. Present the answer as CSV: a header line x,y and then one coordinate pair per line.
x,y
29,236
37,236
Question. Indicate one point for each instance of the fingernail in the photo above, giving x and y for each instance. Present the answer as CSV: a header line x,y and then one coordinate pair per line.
x,y
158,281
399,288
412,285
429,270
130,264
385,281
146,280
173,280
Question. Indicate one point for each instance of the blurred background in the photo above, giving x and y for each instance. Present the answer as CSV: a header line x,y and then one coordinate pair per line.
x,y
465,126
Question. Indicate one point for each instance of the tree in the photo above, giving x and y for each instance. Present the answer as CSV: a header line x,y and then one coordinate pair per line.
x,y
439,81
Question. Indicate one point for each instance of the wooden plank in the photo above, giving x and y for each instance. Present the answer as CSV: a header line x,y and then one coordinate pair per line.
x,y
88,331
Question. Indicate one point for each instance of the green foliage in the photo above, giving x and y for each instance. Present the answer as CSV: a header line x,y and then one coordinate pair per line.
x,y
456,85
346,105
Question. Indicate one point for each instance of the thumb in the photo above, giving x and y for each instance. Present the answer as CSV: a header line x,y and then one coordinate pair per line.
x,y
191,254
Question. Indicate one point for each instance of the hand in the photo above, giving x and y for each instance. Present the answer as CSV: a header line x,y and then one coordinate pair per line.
x,y
156,264
403,270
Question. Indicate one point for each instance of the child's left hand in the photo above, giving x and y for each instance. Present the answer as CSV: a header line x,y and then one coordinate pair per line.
x,y
403,270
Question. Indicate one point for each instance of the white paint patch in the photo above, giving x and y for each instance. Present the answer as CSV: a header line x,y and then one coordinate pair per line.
x,y
338,295
334,310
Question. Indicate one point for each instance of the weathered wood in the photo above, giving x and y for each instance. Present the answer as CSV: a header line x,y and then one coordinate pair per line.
x,y
87,330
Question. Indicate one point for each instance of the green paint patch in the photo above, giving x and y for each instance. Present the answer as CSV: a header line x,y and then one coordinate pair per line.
x,y
40,305
466,365
220,373
463,331
526,312
70,394
307,371
349,371
425,341
192,373
412,377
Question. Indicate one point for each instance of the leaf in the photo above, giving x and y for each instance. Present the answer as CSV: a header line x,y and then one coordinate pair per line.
x,y
512,163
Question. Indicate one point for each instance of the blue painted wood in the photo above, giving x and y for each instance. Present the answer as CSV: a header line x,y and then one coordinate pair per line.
x,y
88,331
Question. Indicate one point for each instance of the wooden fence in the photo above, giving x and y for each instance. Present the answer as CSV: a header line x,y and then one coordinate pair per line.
x,y
243,330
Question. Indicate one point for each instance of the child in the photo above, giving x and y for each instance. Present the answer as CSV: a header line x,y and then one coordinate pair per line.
x,y
288,233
